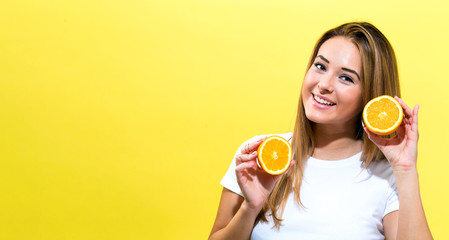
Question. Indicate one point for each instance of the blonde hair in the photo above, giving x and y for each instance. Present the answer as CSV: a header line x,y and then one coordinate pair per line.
x,y
379,76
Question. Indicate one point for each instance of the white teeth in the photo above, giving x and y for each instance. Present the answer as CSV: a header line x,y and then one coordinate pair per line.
x,y
322,101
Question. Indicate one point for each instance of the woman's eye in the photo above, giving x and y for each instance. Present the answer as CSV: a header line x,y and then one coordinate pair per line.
x,y
346,79
320,66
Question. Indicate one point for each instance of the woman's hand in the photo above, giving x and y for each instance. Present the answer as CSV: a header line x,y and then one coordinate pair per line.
x,y
401,150
255,183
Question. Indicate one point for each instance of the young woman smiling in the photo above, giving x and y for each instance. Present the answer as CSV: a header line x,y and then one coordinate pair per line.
x,y
345,182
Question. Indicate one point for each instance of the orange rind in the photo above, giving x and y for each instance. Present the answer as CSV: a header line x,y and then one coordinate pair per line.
x,y
382,115
274,155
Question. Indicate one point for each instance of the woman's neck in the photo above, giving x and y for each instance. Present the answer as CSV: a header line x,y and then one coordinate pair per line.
x,y
334,143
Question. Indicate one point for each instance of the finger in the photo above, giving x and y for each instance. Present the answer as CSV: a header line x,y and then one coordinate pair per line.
x,y
246,165
415,119
407,110
415,113
252,146
373,137
246,157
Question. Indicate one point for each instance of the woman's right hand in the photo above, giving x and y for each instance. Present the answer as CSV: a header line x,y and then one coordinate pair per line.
x,y
255,183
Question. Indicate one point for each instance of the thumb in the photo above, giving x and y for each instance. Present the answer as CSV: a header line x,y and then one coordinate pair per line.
x,y
374,137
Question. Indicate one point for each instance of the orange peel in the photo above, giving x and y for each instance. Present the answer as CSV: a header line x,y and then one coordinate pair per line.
x,y
274,155
382,115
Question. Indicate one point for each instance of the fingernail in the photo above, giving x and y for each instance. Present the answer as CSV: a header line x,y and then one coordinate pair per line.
x,y
254,153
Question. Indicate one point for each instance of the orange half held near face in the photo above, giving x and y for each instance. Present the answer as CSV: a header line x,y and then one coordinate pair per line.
x,y
382,115
274,155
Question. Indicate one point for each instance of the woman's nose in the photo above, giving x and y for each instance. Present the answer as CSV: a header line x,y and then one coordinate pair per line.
x,y
325,85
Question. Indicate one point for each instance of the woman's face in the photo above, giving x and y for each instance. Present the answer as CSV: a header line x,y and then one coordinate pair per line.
x,y
332,91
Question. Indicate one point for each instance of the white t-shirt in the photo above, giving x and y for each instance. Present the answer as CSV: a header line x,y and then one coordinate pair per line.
x,y
341,199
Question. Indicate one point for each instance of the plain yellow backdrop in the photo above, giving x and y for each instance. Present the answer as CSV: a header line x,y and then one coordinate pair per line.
x,y
118,119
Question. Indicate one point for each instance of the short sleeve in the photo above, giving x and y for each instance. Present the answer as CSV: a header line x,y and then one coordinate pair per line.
x,y
392,203
229,180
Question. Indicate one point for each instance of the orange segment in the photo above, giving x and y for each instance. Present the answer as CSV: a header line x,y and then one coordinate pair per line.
x,y
382,115
274,155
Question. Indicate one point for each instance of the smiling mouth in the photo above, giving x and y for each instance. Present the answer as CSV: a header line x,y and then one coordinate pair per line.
x,y
322,101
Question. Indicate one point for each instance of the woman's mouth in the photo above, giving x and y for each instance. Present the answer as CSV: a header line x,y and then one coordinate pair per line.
x,y
323,101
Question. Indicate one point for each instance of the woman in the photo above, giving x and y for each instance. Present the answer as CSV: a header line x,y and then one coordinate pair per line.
x,y
345,182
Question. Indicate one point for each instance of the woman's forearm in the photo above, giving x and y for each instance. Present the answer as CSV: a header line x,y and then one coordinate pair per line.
x,y
241,225
412,223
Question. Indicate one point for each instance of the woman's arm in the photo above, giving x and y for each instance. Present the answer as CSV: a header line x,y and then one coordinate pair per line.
x,y
234,219
409,222
236,214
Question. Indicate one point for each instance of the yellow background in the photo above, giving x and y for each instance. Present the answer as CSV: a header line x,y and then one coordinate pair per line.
x,y
119,118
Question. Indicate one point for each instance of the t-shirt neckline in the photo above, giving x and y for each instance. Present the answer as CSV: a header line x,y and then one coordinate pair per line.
x,y
335,163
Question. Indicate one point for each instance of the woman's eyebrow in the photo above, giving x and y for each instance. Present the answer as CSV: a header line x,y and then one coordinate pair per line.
x,y
324,59
352,71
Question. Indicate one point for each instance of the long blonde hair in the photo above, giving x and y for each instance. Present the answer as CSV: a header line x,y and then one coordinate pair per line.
x,y
379,76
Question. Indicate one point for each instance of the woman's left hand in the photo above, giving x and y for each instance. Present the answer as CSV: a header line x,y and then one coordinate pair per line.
x,y
401,150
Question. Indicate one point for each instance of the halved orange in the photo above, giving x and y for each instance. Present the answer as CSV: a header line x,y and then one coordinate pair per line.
x,y
274,155
382,115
